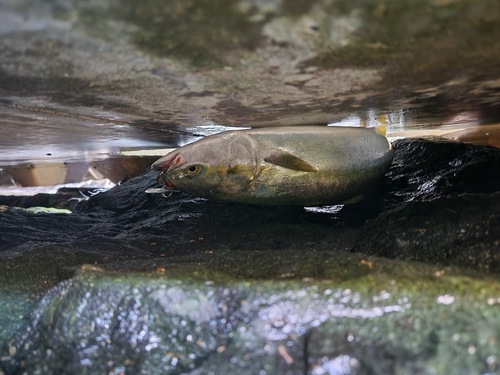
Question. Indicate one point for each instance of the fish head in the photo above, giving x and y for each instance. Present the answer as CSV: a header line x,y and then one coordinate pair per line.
x,y
213,167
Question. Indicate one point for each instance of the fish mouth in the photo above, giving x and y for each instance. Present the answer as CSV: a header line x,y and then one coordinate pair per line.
x,y
165,164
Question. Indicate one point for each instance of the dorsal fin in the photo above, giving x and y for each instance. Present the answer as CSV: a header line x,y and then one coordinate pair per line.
x,y
286,160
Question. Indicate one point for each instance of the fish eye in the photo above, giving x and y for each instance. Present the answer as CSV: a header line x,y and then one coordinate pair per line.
x,y
193,170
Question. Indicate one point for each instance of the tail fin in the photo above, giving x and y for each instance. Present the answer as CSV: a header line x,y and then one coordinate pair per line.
x,y
382,128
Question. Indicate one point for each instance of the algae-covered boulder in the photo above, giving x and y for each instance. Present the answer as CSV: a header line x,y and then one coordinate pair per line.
x,y
185,319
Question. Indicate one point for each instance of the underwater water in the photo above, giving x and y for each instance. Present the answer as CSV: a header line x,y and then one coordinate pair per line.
x,y
96,276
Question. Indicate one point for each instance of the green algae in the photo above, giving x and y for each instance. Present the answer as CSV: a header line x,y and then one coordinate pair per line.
x,y
15,310
395,316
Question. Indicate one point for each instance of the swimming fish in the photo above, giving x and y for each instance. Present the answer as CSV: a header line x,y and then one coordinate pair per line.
x,y
296,165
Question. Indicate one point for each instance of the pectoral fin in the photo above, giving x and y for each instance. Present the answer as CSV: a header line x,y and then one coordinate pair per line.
x,y
286,160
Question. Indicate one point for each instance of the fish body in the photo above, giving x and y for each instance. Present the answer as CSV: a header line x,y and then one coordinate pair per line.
x,y
302,165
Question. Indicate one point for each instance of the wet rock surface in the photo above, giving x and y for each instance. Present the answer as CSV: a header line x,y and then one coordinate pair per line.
x,y
186,285
159,323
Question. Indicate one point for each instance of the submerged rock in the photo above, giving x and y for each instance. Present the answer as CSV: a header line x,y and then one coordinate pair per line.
x,y
428,168
442,206
398,318
463,230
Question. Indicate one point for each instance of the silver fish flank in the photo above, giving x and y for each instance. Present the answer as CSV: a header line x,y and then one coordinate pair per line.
x,y
300,165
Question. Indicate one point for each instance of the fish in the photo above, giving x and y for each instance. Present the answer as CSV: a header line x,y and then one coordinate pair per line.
x,y
289,165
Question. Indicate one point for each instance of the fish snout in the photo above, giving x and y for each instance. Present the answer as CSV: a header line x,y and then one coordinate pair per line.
x,y
165,164
168,162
